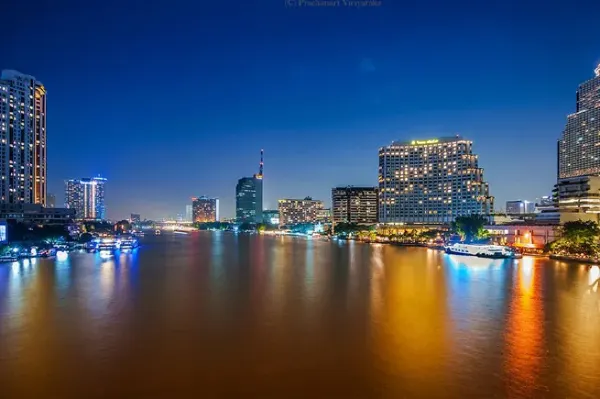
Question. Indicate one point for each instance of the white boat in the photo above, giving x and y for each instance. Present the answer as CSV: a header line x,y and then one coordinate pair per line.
x,y
483,251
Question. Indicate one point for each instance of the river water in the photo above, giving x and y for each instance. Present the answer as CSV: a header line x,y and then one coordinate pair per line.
x,y
222,315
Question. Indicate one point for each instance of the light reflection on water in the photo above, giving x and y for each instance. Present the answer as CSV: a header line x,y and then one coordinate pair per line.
x,y
217,314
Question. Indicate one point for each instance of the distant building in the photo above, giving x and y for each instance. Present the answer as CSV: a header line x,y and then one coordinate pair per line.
x,y
36,213
135,218
189,214
249,197
86,197
294,211
205,210
546,210
519,207
431,182
23,137
271,217
50,201
354,204
324,215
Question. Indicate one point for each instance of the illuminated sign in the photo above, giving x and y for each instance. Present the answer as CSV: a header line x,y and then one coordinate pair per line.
x,y
422,142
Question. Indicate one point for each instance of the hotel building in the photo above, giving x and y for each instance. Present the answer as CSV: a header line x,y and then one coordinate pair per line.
x,y
23,139
86,197
577,191
205,210
431,182
354,204
294,211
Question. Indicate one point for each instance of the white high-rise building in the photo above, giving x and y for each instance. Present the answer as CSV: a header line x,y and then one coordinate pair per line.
x,y
579,146
431,182
22,139
86,196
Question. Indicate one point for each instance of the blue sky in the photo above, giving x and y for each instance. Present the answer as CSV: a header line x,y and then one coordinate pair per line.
x,y
170,100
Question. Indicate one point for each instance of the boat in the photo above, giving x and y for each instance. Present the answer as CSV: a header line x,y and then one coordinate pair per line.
x,y
482,251
157,232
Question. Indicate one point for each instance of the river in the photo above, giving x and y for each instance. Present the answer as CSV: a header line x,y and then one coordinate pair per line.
x,y
223,315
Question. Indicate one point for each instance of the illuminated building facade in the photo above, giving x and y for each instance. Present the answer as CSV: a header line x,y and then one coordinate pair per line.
x,y
294,211
23,139
86,196
205,210
579,146
354,204
578,198
431,182
271,216
519,207
249,197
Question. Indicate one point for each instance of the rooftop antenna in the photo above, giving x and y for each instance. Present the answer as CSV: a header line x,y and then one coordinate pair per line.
x,y
260,168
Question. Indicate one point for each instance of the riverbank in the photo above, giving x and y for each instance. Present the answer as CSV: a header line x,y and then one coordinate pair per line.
x,y
575,259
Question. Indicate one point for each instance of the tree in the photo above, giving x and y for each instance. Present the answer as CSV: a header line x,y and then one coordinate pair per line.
x,y
578,237
122,226
470,227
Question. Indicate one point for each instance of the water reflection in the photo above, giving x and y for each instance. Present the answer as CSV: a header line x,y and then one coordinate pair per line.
x,y
224,315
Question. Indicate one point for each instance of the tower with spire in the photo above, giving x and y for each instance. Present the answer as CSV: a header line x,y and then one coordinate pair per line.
x,y
249,196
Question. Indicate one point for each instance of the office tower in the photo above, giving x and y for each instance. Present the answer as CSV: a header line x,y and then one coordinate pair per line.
x,y
86,196
50,201
135,218
431,182
189,214
249,197
579,146
519,207
294,211
23,139
205,210
354,204
576,191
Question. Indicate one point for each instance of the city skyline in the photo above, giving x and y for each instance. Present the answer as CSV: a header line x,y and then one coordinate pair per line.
x,y
320,116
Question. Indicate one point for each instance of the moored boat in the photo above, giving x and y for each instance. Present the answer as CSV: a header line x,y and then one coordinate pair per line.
x,y
482,251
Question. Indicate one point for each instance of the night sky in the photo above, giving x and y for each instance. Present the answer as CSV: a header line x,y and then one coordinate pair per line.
x,y
175,99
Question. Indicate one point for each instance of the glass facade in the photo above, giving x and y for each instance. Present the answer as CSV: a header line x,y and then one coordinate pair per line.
x,y
248,200
86,196
431,182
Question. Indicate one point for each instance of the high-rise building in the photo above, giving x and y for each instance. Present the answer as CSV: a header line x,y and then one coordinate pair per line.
x,y
579,146
86,196
354,204
23,139
519,207
294,211
205,210
249,197
189,213
50,201
431,182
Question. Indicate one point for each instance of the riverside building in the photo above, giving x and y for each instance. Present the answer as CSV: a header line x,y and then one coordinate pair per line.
x,y
431,182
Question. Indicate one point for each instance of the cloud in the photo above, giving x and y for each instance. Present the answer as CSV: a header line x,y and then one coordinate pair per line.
x,y
367,65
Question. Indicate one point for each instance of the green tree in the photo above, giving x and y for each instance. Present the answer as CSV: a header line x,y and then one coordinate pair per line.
x,y
578,237
470,227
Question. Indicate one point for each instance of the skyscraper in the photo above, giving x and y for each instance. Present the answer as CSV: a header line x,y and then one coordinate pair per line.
x,y
23,139
189,214
578,181
205,210
86,196
579,146
249,197
431,182
354,204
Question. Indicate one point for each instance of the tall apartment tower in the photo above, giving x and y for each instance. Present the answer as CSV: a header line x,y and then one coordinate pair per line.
x,y
249,197
22,139
354,204
86,196
431,182
579,146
